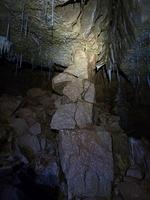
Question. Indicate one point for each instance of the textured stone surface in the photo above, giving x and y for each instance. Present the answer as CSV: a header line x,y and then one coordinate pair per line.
x,y
60,81
86,159
20,126
132,189
73,90
64,117
89,92
80,66
35,129
29,143
83,115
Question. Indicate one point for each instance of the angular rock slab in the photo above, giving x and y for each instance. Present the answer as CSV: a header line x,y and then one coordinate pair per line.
x,y
60,81
83,115
73,90
86,160
64,117
80,66
89,91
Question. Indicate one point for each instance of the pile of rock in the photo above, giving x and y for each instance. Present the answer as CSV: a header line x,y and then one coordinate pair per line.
x,y
85,150
26,136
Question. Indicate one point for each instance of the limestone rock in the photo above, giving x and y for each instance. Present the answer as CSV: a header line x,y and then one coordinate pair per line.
x,y
80,66
88,17
35,92
69,12
73,90
86,159
29,143
35,129
64,117
132,189
8,104
47,170
83,115
89,92
27,114
60,81
20,126
134,172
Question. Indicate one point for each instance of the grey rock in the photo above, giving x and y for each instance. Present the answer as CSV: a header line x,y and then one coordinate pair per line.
x,y
86,159
88,17
134,172
89,92
35,129
20,126
80,65
134,190
64,117
47,170
60,81
73,90
83,115
29,142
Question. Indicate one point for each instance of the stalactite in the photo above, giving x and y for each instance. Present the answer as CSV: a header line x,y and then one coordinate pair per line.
x,y
52,4
109,71
26,26
148,80
7,33
22,19
17,64
5,45
45,10
20,61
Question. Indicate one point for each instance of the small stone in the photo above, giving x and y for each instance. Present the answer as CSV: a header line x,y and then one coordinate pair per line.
x,y
64,117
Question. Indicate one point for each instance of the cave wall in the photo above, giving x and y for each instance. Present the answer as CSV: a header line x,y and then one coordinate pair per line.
x,y
43,33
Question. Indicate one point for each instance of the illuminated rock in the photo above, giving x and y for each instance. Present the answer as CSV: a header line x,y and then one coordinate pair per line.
x,y
60,81
80,65
74,90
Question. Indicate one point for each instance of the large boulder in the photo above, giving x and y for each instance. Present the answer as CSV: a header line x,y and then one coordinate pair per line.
x,y
64,117
86,160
